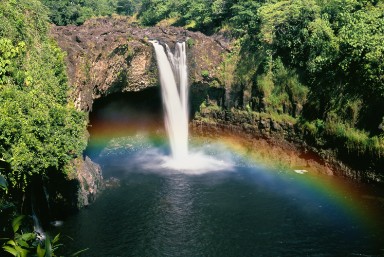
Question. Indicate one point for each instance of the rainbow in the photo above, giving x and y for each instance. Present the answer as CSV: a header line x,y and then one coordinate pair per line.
x,y
102,132
355,201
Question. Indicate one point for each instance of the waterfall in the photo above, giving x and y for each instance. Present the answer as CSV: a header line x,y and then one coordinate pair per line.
x,y
38,229
174,89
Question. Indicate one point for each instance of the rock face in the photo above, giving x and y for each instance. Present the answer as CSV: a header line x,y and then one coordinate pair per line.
x,y
89,175
109,55
69,193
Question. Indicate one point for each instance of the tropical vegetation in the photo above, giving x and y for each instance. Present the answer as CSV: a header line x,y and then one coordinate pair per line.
x,y
39,126
319,61
76,12
41,131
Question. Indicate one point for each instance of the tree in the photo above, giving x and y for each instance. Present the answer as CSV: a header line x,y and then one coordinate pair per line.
x,y
40,130
76,12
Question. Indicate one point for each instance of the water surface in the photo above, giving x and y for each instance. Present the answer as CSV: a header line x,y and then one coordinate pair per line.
x,y
243,210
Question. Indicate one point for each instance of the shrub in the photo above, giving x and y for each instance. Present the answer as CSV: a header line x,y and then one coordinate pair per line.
x,y
205,73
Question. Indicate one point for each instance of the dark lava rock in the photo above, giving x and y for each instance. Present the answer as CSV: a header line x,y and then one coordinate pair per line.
x,y
108,55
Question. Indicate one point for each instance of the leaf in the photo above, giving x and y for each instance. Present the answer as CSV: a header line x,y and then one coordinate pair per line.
x,y
22,243
10,250
22,252
17,222
28,236
79,252
56,239
48,248
11,242
40,251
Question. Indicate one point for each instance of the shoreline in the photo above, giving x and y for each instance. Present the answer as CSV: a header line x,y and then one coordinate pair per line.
x,y
276,150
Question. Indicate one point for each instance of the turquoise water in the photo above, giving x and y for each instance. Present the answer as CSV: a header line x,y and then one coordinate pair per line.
x,y
240,210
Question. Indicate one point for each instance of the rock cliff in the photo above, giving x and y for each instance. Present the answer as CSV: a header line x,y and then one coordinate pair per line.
x,y
109,55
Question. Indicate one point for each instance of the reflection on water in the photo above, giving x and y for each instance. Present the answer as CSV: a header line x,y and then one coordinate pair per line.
x,y
240,211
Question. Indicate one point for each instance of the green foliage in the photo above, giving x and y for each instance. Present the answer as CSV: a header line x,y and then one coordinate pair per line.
x,y
21,244
329,51
76,12
205,73
27,244
23,21
200,13
127,7
40,129
316,58
333,130
190,42
196,15
352,139
8,57
362,48
281,89
153,11
245,19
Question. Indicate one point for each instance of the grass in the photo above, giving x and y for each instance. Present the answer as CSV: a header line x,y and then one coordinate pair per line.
x,y
356,140
168,22
252,115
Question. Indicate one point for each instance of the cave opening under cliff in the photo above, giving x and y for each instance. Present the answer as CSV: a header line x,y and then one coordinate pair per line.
x,y
124,114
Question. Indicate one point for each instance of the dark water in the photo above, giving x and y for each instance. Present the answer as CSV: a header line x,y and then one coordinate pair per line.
x,y
247,211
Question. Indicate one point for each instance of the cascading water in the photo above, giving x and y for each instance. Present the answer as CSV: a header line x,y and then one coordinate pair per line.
x,y
179,66
36,222
174,88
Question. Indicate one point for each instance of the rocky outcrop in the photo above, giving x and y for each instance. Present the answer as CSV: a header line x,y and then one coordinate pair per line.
x,y
108,55
67,193
89,175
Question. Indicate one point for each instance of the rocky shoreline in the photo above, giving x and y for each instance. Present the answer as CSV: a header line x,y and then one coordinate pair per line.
x,y
257,130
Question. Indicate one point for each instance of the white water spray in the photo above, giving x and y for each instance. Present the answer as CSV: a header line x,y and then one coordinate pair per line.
x,y
174,88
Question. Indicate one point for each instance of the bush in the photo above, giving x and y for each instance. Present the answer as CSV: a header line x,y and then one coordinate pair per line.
x,y
205,73
25,244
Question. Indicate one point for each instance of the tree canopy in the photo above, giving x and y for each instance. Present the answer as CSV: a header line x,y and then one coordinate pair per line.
x,y
65,12
40,129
